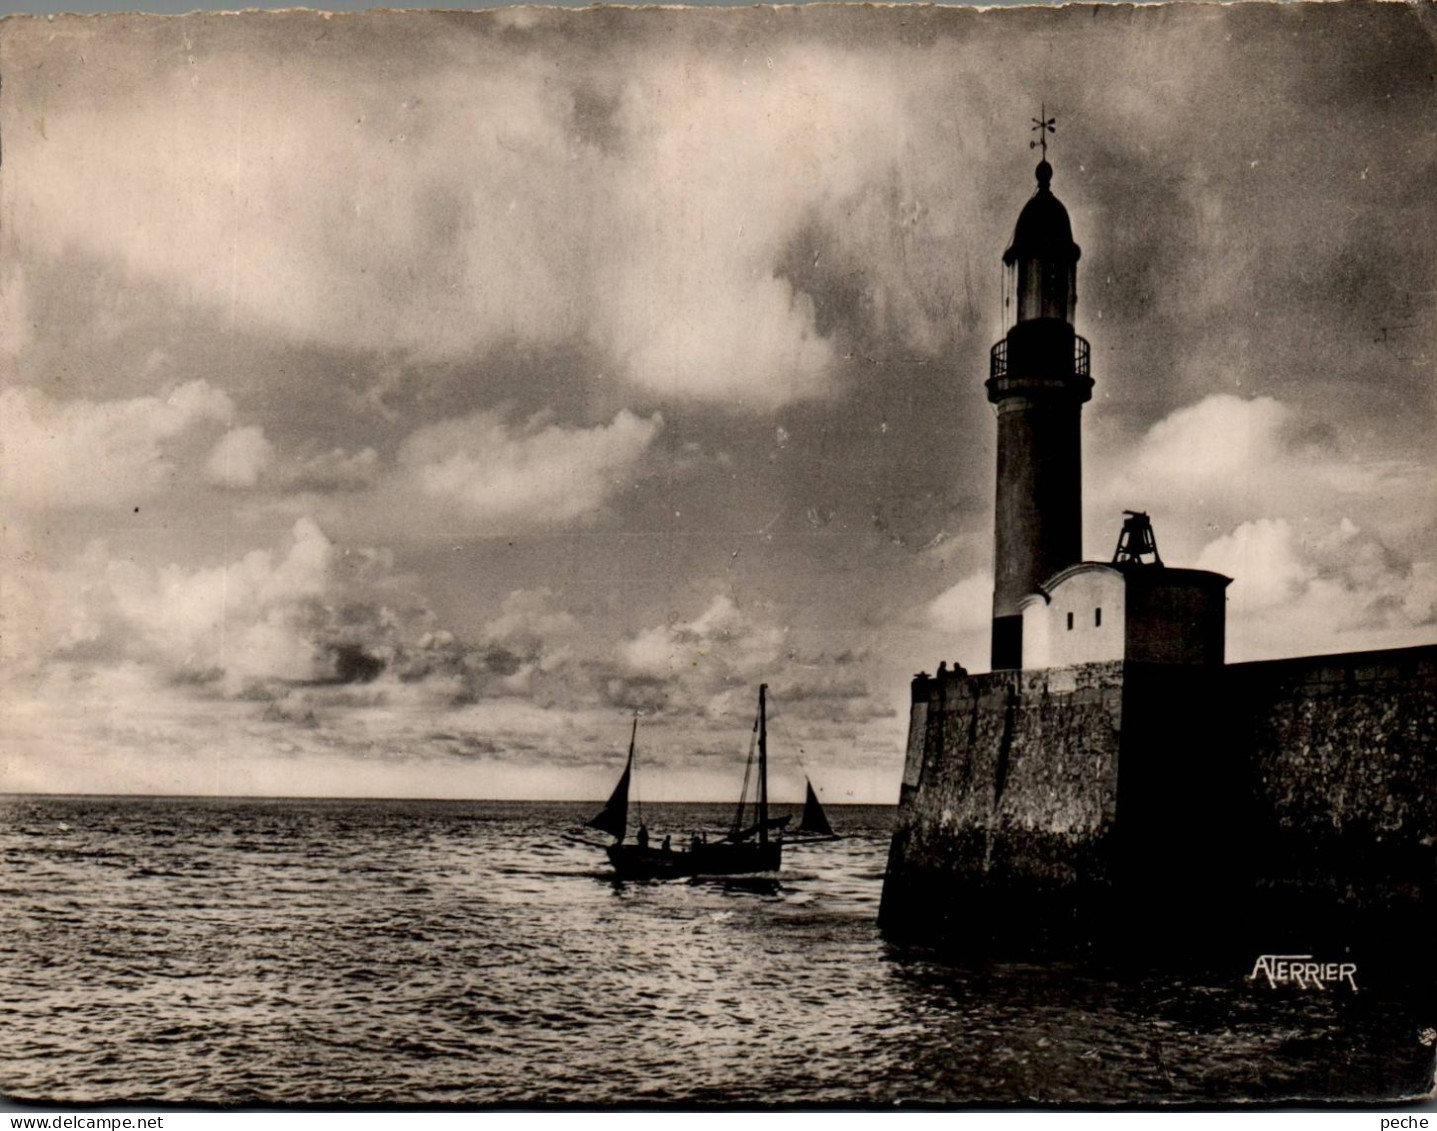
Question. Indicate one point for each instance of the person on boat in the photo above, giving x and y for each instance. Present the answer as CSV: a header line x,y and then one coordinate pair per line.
x,y
643,836
668,844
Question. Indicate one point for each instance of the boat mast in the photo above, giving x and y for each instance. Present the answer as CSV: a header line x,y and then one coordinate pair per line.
x,y
762,764
638,804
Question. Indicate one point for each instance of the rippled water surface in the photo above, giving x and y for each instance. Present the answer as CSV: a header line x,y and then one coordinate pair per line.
x,y
226,951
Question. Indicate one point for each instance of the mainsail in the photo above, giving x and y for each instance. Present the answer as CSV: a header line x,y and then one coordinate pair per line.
x,y
814,819
614,819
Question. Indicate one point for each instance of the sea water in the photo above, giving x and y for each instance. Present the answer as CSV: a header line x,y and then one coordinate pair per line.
x,y
217,951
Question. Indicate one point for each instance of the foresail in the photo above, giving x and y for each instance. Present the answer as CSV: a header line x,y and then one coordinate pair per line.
x,y
814,819
615,816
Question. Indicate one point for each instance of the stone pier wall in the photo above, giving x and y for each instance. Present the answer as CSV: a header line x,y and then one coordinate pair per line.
x,y
1279,804
1342,791
1009,800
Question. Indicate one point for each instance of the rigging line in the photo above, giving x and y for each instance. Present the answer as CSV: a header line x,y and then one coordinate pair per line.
x,y
747,773
794,746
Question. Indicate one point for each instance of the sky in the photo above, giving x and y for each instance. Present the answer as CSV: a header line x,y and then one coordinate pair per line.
x,y
393,404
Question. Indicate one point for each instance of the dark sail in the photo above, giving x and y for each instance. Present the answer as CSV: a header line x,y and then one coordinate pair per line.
x,y
814,819
615,816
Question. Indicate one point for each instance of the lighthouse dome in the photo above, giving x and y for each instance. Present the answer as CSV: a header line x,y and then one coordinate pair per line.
x,y
1043,230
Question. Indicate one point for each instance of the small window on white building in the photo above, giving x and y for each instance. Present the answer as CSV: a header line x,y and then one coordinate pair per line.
x,y
1070,622
1098,617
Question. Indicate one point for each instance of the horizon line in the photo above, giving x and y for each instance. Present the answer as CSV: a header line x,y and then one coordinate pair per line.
x,y
9,794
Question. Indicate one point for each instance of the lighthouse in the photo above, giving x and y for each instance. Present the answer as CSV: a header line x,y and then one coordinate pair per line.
x,y
1112,764
1038,382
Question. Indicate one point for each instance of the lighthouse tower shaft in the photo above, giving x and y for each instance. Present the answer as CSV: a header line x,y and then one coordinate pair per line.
x,y
1038,380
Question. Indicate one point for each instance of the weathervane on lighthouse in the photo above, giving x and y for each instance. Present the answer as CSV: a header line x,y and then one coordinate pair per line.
x,y
1045,126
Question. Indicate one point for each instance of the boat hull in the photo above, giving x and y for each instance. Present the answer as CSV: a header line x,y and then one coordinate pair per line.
x,y
632,862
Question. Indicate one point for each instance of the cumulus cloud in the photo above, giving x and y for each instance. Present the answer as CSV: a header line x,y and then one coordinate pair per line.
x,y
712,666
1202,468
1319,588
1208,467
1222,441
474,474
723,644
240,621
96,453
239,458
245,458
1266,562
538,472
304,613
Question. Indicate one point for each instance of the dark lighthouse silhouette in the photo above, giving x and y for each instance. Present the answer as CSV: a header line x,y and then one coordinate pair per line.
x,y
1039,380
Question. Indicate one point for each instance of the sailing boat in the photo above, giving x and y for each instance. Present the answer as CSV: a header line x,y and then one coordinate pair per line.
x,y
748,847
813,826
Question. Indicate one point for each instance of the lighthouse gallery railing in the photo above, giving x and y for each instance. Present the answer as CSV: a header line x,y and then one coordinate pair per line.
x,y
998,358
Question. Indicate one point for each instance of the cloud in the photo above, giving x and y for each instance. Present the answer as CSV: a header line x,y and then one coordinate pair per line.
x,y
334,470
1266,562
527,651
1223,440
474,196
289,666
475,474
245,458
709,665
754,347
796,214
239,458
1208,467
723,643
1210,464
966,607
126,728
537,473
249,619
291,213
1319,588
691,295
96,453
712,666
823,694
